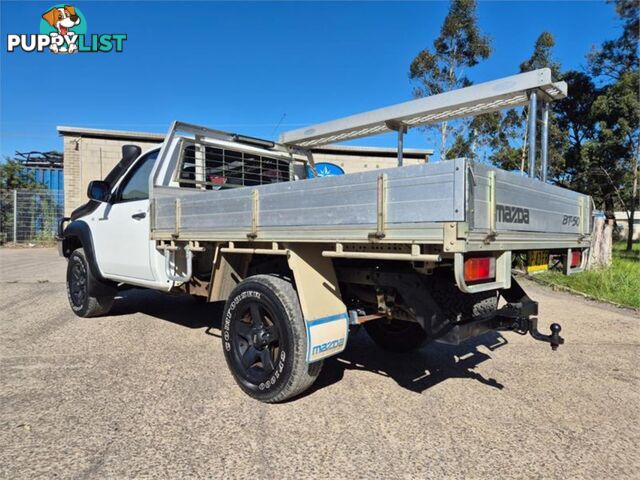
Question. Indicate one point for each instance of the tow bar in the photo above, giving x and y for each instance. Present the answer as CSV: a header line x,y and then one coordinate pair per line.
x,y
554,339
518,315
522,308
524,325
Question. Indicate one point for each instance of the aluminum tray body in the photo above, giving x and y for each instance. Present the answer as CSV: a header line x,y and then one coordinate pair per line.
x,y
500,210
326,208
524,213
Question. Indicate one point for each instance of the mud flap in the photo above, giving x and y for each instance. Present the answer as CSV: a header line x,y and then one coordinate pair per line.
x,y
325,315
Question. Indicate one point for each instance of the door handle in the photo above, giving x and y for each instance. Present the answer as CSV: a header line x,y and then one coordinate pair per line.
x,y
139,215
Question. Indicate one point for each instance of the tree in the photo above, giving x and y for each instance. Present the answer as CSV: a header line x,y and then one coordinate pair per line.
x,y
13,176
542,56
574,116
616,111
496,131
616,146
619,56
459,47
461,147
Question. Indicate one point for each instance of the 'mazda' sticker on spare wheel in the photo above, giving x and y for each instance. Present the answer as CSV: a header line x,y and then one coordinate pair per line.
x,y
63,29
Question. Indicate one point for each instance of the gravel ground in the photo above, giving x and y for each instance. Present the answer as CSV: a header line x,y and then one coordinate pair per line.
x,y
145,392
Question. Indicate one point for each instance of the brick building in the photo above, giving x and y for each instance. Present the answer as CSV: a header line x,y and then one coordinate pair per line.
x,y
89,154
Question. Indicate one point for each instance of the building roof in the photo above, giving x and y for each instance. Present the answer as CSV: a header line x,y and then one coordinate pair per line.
x,y
111,134
159,137
36,159
373,151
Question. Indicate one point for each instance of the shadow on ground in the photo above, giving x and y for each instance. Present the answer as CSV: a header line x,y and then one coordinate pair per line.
x,y
416,371
182,310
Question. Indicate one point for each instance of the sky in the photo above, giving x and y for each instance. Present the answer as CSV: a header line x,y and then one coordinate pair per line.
x,y
257,68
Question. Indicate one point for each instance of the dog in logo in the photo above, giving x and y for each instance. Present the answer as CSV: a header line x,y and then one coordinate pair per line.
x,y
62,19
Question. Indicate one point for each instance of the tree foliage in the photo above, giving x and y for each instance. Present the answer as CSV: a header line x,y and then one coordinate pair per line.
x,y
506,134
542,56
615,114
611,156
594,133
616,57
444,67
574,117
14,176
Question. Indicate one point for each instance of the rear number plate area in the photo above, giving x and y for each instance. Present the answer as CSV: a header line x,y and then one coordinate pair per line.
x,y
537,261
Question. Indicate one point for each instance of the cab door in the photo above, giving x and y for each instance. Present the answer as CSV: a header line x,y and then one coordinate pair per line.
x,y
122,236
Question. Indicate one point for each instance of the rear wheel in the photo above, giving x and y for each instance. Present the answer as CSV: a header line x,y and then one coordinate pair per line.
x,y
79,285
396,335
264,339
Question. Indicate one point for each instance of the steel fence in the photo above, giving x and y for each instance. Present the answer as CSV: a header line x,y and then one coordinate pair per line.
x,y
30,215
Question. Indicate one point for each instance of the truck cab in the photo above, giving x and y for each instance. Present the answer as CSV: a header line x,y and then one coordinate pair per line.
x,y
115,222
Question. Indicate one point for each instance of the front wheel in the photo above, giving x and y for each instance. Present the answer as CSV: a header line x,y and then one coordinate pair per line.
x,y
264,339
79,283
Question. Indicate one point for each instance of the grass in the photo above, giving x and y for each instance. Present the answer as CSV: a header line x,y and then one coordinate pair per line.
x,y
619,283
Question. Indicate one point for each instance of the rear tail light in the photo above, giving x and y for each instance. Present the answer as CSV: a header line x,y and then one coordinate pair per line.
x,y
576,258
479,268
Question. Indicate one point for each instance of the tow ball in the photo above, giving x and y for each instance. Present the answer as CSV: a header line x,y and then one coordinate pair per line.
x,y
554,339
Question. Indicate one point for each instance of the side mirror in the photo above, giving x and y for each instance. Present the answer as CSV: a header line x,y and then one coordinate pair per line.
x,y
98,190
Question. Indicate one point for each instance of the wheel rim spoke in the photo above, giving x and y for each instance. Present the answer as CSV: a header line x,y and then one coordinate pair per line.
x,y
249,356
78,283
256,317
256,342
244,330
273,333
265,358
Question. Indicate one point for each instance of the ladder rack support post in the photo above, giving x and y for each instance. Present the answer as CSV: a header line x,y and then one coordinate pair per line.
x,y
401,132
533,111
544,139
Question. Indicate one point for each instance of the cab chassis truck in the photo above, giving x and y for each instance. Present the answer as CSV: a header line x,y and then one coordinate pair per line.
x,y
414,253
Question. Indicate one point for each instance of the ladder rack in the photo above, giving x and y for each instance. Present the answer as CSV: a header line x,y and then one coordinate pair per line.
x,y
475,100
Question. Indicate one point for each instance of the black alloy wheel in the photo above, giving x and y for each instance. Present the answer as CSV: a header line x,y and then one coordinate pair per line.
x,y
78,283
264,339
82,288
256,342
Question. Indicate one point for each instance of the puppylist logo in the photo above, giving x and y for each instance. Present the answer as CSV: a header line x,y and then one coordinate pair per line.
x,y
63,29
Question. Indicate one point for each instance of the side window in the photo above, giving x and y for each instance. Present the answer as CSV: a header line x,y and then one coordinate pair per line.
x,y
136,185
